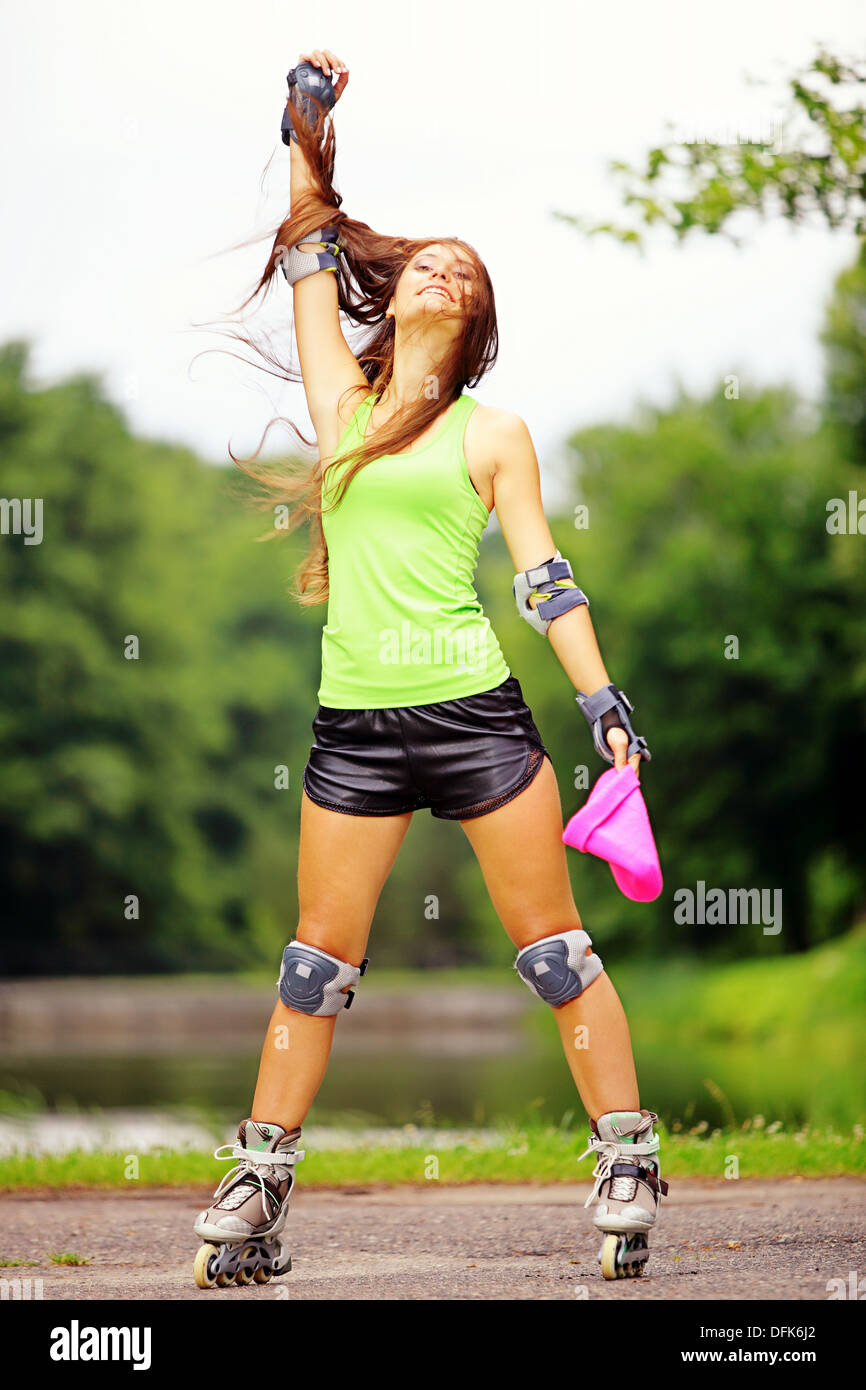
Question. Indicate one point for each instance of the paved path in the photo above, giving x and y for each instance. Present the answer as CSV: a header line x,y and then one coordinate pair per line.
x,y
790,1237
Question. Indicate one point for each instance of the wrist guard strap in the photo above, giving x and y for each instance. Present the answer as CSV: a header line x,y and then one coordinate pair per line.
x,y
609,708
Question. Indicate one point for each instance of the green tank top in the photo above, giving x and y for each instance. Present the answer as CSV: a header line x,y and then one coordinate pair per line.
x,y
404,624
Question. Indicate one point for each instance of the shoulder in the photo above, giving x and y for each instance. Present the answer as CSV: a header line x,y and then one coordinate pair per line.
x,y
499,435
496,422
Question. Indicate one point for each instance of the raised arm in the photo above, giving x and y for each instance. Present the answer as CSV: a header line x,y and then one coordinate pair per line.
x,y
328,365
517,497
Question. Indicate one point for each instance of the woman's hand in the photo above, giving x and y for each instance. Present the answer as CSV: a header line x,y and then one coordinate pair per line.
x,y
326,60
617,741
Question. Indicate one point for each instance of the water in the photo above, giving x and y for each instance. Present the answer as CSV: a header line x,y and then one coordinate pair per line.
x,y
396,1087
450,1055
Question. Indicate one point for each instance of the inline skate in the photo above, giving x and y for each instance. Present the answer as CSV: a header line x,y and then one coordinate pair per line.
x,y
627,1188
242,1228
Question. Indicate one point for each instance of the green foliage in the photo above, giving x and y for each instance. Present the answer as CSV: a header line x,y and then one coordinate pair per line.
x,y
813,170
708,525
844,339
712,520
155,776
789,1000
531,1153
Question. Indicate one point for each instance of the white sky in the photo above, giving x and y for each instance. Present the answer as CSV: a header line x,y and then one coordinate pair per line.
x,y
135,138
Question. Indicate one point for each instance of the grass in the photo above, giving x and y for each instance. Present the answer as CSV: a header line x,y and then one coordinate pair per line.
x,y
775,1015
776,1002
542,1154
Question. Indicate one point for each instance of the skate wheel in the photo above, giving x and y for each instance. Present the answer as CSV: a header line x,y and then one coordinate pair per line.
x,y
638,1246
245,1276
262,1275
223,1281
610,1266
203,1266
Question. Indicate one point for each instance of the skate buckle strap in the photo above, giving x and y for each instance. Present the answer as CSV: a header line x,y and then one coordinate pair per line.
x,y
637,1170
280,1158
614,1161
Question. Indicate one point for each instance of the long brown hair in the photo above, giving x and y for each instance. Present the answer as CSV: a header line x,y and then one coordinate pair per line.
x,y
370,265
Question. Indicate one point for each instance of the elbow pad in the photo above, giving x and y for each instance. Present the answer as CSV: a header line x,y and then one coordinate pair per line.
x,y
296,264
557,592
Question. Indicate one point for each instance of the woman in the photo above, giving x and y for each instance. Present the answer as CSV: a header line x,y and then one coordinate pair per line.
x,y
418,708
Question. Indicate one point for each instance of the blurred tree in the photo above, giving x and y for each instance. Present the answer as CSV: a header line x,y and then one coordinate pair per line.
x,y
707,525
699,185
722,522
844,339
155,776
137,775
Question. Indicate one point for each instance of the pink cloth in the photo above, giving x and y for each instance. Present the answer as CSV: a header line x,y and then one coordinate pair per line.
x,y
614,825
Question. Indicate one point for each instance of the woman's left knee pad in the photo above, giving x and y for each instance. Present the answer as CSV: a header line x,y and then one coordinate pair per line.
x,y
557,968
312,981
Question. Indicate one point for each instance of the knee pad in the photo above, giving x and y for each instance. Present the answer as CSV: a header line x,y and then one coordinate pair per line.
x,y
557,968
312,981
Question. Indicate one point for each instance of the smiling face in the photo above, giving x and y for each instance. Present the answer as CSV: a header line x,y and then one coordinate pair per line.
x,y
436,283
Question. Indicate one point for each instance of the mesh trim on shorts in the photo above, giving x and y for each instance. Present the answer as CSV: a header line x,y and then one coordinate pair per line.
x,y
482,807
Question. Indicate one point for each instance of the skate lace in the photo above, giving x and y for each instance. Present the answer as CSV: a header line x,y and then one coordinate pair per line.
x,y
622,1189
245,1173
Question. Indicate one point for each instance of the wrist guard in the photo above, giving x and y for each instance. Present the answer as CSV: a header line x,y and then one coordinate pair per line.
x,y
306,82
609,708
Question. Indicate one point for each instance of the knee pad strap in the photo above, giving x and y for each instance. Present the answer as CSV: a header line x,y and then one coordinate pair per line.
x,y
557,968
312,981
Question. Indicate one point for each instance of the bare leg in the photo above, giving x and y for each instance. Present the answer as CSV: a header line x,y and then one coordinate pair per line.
x,y
597,1046
522,858
343,863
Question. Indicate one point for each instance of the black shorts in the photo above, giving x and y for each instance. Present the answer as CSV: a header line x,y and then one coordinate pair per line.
x,y
461,758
